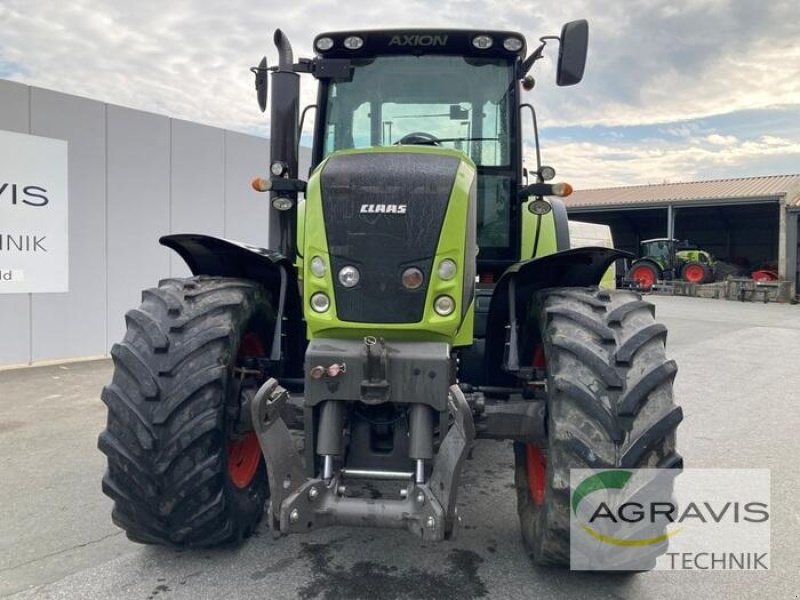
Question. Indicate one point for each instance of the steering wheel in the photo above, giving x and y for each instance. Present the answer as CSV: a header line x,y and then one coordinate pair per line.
x,y
419,137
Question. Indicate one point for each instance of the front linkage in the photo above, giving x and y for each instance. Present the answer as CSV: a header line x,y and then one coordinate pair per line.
x,y
299,504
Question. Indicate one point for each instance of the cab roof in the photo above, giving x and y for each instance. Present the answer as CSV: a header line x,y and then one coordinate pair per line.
x,y
421,41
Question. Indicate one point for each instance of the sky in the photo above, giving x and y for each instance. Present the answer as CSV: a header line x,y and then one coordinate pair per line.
x,y
676,90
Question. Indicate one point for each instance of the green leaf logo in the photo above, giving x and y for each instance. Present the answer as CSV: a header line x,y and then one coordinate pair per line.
x,y
610,480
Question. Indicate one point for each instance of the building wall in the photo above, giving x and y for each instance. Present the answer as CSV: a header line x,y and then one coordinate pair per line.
x,y
133,177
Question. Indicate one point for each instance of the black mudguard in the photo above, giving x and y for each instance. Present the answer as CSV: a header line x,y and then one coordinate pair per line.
x,y
579,267
206,255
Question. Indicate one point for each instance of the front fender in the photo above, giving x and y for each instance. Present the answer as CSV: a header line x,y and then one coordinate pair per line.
x,y
579,267
207,255
216,257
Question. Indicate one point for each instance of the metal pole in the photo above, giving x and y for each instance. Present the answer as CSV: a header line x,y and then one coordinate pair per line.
x,y
671,236
670,222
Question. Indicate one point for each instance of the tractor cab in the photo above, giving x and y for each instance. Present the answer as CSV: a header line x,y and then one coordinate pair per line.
x,y
441,89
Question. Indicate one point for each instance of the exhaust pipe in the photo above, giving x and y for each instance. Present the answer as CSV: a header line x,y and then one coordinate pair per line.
x,y
284,140
285,54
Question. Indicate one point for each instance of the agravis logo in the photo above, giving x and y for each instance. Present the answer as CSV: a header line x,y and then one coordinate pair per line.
x,y
640,519
616,480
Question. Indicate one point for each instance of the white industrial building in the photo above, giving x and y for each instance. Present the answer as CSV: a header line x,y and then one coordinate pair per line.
x,y
133,177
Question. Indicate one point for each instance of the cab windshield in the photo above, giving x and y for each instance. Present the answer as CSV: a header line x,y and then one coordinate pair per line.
x,y
463,103
450,101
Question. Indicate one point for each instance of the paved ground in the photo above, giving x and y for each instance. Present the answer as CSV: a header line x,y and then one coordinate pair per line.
x,y
738,383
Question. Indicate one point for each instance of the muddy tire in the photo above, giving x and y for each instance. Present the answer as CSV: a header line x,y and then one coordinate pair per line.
x,y
609,404
177,472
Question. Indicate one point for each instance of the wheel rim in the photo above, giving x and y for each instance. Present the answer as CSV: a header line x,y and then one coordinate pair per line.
x,y
644,276
693,274
535,460
537,473
244,457
244,454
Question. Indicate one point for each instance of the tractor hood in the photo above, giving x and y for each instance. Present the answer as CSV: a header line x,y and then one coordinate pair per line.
x,y
385,210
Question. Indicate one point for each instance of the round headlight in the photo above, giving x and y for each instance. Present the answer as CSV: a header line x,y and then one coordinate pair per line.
x,y
512,44
540,207
353,42
324,43
320,302
482,42
412,278
547,173
447,269
277,168
349,276
318,266
444,305
281,203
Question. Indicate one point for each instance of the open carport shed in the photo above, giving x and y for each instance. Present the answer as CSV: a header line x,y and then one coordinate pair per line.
x,y
752,221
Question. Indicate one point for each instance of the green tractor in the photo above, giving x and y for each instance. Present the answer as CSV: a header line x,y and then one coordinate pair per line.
x,y
421,296
670,259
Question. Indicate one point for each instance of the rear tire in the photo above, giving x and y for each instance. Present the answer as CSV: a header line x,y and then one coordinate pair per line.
x,y
172,403
609,403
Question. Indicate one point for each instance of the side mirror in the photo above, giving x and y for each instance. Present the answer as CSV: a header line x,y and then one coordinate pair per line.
x,y
261,83
572,53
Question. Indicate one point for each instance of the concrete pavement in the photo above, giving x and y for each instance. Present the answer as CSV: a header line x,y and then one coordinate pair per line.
x,y
738,383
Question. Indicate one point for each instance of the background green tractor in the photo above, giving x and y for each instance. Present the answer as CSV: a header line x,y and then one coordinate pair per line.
x,y
668,259
422,295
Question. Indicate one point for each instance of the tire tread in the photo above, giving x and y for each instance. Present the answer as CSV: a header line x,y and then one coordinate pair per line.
x,y
165,435
609,402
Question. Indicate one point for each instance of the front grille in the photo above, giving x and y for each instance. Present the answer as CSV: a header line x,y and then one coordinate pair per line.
x,y
384,213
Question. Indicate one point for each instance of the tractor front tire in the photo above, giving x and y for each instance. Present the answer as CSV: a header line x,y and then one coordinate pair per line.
x,y
697,272
609,405
177,471
644,275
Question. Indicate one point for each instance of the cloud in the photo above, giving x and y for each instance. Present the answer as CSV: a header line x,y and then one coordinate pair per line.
x,y
588,165
652,62
649,62
721,140
672,67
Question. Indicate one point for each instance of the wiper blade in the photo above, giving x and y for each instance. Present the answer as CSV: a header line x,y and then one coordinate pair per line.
x,y
467,139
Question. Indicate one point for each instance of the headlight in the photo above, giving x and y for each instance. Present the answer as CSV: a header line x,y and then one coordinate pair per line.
x,y
349,276
277,168
447,269
512,44
318,266
444,305
482,42
353,42
282,204
324,43
412,278
320,302
539,207
547,173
